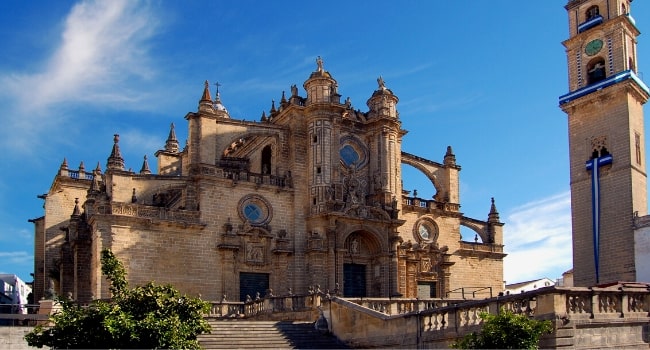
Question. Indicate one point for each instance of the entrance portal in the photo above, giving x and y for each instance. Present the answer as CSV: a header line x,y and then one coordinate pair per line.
x,y
354,280
252,283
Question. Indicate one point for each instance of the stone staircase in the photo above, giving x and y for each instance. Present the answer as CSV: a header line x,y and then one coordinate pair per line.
x,y
248,334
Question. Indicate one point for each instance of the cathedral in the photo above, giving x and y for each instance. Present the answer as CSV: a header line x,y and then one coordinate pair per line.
x,y
309,196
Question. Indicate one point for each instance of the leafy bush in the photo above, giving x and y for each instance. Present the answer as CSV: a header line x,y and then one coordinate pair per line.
x,y
149,316
506,331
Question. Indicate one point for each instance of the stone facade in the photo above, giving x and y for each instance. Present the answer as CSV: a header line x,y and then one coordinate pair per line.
x,y
309,195
606,140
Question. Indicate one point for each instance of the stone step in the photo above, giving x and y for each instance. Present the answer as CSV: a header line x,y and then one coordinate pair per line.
x,y
246,334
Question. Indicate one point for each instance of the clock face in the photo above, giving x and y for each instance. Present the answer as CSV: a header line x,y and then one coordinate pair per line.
x,y
593,47
424,232
427,231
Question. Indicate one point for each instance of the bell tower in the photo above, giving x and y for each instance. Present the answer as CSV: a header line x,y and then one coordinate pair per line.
x,y
606,139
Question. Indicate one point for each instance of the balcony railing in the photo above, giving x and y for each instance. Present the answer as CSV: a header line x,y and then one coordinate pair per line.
x,y
590,23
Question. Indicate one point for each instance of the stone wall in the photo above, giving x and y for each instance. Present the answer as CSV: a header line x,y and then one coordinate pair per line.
x,y
14,338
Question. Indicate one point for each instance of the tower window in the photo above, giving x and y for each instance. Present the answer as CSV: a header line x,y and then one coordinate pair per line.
x,y
631,65
592,12
596,70
623,9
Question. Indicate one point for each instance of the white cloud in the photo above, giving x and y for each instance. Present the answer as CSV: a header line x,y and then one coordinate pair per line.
x,y
537,237
102,57
16,258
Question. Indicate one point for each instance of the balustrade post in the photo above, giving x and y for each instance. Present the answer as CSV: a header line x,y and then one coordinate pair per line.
x,y
553,304
595,303
625,303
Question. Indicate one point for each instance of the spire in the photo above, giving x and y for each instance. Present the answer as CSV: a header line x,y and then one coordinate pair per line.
x,y
283,100
206,92
493,217
264,118
115,160
63,169
450,158
172,143
76,212
98,169
145,166
82,167
273,110
205,104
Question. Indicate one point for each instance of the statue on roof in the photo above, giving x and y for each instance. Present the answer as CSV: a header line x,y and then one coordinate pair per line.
x,y
381,83
319,64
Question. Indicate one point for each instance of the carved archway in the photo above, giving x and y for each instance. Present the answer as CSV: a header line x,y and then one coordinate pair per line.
x,y
364,267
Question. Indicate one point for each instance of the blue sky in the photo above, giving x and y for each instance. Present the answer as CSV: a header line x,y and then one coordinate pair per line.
x,y
481,76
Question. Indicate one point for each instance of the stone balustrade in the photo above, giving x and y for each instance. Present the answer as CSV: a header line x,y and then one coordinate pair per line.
x,y
616,316
267,306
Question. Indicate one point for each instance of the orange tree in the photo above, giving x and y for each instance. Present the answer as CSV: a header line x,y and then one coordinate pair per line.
x,y
149,316
506,330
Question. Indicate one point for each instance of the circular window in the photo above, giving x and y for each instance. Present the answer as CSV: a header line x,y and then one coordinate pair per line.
x,y
426,230
255,209
353,153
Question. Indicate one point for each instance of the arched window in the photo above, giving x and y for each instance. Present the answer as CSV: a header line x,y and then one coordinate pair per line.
x,y
631,65
596,70
266,160
592,12
623,9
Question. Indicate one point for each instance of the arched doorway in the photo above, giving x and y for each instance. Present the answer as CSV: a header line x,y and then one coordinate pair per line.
x,y
364,269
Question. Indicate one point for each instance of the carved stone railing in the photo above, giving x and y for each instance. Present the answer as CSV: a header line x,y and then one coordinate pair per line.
x,y
413,203
149,212
264,306
482,247
246,176
402,306
573,311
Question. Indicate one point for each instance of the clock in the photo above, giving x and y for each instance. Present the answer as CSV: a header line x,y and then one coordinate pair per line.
x,y
593,47
426,230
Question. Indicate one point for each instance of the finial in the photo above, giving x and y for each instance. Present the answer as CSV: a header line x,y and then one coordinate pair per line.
x,y
115,160
494,214
264,118
145,167
98,169
450,158
64,165
206,92
283,99
171,145
82,167
273,110
76,211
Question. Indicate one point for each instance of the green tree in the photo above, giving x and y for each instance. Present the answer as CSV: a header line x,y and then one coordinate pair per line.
x,y
506,330
149,316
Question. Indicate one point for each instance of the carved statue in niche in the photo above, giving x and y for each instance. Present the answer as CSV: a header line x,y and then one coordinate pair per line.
x,y
354,186
354,246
